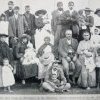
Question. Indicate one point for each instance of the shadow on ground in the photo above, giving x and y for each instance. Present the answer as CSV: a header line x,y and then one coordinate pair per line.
x,y
33,88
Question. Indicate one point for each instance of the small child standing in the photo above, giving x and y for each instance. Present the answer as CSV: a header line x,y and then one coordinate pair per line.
x,y
7,75
98,68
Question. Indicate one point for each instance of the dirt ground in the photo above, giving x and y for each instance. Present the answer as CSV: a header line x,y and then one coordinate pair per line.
x,y
33,88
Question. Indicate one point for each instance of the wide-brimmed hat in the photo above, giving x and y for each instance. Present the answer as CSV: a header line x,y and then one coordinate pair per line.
x,y
2,34
25,36
42,11
88,9
97,10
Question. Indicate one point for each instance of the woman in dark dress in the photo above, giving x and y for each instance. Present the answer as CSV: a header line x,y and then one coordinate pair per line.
x,y
24,71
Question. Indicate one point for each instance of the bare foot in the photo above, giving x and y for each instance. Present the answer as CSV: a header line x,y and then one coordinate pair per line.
x,y
11,91
88,88
23,82
5,90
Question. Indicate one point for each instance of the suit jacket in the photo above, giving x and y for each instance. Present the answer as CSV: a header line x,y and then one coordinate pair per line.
x,y
55,17
9,14
22,26
69,19
64,46
31,23
60,75
89,20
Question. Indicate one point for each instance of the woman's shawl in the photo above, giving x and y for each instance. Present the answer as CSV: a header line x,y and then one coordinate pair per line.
x,y
40,51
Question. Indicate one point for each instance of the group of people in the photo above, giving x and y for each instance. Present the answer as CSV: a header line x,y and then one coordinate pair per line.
x,y
61,52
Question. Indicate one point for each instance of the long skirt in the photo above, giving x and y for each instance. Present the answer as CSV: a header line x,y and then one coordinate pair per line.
x,y
1,83
26,71
7,73
45,65
86,78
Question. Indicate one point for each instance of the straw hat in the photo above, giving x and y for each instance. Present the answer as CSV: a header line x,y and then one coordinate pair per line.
x,y
97,10
3,34
88,9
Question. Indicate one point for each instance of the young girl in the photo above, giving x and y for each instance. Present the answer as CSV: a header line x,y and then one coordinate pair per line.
x,y
46,57
7,75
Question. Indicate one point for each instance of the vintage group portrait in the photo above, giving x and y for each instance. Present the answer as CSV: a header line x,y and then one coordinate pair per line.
x,y
49,49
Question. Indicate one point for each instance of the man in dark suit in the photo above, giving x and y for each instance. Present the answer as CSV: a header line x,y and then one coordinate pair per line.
x,y
17,26
30,18
68,20
10,11
55,16
54,21
89,19
67,50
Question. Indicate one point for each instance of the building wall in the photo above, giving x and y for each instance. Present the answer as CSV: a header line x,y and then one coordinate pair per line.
x,y
49,5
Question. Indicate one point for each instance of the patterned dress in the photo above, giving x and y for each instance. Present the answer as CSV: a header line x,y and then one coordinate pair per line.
x,y
88,75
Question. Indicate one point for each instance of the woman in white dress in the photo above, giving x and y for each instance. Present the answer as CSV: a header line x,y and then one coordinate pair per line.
x,y
87,78
43,28
7,75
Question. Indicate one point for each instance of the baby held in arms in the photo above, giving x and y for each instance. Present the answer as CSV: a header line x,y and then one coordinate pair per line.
x,y
29,56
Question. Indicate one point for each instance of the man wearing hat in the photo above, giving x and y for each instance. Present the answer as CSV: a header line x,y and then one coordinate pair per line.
x,y
17,26
54,22
89,19
10,11
55,16
30,18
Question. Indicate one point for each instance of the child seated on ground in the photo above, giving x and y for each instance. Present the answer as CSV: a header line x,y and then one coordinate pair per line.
x,y
98,67
55,80
7,75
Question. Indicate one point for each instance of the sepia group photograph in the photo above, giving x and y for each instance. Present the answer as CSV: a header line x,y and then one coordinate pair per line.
x,y
49,50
